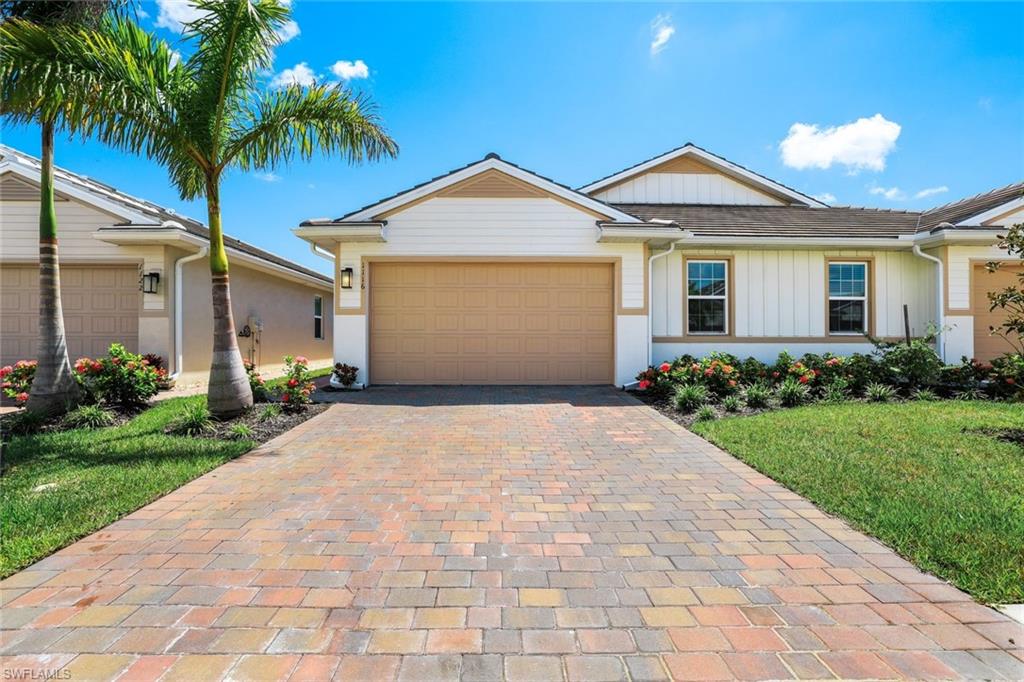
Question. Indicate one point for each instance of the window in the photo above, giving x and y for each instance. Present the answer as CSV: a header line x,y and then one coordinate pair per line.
x,y
707,297
318,317
847,298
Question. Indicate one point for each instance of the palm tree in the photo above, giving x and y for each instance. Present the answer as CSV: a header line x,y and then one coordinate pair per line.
x,y
204,115
43,97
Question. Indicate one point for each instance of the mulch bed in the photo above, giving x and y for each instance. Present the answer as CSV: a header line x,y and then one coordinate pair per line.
x,y
263,428
665,406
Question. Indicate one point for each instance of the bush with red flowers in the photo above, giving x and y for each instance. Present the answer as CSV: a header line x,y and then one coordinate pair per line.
x,y
122,379
656,380
1007,376
717,372
16,380
297,385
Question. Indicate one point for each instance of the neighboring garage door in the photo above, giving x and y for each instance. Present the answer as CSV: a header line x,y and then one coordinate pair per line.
x,y
491,323
101,306
987,346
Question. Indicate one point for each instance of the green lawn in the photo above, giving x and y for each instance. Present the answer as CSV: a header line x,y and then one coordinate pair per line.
x,y
100,476
274,384
918,476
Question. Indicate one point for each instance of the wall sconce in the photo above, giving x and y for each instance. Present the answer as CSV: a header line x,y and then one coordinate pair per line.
x,y
346,278
150,282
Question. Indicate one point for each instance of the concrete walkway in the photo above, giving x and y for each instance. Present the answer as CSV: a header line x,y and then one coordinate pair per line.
x,y
489,534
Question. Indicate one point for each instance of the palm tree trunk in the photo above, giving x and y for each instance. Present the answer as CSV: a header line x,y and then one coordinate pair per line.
x,y
54,388
228,393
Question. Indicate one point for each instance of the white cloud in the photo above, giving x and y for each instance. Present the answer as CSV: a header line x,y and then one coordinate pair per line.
x,y
890,193
268,177
826,197
173,14
347,71
861,145
289,30
175,58
662,31
300,74
931,191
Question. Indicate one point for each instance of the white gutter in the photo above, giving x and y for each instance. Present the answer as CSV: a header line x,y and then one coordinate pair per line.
x,y
940,339
323,254
179,313
650,300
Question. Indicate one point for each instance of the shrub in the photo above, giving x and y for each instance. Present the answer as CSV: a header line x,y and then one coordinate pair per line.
x,y
153,360
269,412
861,369
970,394
258,386
732,403
753,370
706,413
24,423
717,372
656,380
88,417
924,395
17,380
836,391
1007,376
780,370
880,393
346,374
689,397
757,396
194,420
913,365
297,384
792,393
123,379
240,432
967,375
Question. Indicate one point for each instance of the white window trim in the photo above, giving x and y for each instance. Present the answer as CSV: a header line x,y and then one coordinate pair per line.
x,y
697,297
866,297
319,317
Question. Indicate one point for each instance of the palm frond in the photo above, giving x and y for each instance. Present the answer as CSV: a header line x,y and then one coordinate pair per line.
x,y
296,120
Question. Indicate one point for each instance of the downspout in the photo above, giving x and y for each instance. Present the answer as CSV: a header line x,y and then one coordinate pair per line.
x,y
940,339
179,313
650,300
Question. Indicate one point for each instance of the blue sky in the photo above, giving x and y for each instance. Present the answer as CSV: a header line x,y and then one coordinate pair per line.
x,y
889,105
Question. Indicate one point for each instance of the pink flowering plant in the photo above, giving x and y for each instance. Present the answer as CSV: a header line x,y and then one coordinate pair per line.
x,y
16,380
298,385
122,379
256,382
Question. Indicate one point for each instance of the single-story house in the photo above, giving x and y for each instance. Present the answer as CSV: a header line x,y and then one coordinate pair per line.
x,y
492,274
135,273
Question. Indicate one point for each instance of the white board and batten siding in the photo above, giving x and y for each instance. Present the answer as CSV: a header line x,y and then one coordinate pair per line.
x,y
535,228
782,294
685,188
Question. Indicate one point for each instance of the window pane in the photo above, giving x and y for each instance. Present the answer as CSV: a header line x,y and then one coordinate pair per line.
x,y
706,315
847,279
318,306
846,317
318,328
705,279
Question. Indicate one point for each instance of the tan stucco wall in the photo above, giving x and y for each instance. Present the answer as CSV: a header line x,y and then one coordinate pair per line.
x,y
284,306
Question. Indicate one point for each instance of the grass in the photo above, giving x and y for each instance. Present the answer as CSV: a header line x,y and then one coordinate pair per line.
x,y
95,476
278,383
921,477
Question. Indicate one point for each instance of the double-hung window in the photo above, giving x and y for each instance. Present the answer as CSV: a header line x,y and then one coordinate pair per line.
x,y
847,298
707,297
318,317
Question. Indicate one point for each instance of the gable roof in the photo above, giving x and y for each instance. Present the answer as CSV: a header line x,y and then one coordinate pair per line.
x,y
136,213
779,221
491,162
717,162
974,211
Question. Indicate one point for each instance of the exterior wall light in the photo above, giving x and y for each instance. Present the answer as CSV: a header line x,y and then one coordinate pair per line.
x,y
346,278
150,282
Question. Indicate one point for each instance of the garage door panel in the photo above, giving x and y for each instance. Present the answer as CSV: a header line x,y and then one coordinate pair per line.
x,y
486,323
986,345
100,304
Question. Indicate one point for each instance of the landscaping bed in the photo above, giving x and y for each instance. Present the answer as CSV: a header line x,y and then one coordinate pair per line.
x,y
940,482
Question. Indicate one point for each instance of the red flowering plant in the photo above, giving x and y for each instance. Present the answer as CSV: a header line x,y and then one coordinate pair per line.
x,y
298,386
16,380
718,372
1007,376
656,380
122,379
256,382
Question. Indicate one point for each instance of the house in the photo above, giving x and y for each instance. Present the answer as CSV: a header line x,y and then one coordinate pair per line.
x,y
492,274
134,273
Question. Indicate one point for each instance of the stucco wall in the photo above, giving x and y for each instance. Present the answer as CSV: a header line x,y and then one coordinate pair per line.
x,y
285,308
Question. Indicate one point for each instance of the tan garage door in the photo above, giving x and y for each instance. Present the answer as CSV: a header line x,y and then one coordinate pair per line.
x,y
101,306
987,346
491,323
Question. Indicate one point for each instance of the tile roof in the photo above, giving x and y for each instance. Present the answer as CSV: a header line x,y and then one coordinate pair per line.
x,y
159,214
779,221
965,209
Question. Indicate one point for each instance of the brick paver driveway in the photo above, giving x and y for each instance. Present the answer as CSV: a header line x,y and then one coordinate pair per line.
x,y
488,534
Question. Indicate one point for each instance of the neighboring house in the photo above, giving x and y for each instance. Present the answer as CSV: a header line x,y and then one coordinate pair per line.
x,y
493,274
109,243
